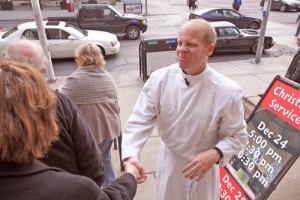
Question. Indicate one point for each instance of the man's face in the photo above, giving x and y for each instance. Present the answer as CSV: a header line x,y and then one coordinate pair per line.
x,y
192,53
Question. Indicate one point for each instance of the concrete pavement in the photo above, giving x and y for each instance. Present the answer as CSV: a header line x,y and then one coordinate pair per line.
x,y
253,78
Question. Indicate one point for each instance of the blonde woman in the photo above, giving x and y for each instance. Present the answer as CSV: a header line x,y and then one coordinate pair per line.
x,y
93,89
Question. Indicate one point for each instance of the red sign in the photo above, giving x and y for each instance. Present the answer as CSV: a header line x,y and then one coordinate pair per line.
x,y
229,188
283,101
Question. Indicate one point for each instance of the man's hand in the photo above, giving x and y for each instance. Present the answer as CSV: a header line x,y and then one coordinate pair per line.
x,y
132,165
198,166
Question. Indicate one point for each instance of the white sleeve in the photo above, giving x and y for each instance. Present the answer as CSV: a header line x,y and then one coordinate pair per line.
x,y
140,124
233,134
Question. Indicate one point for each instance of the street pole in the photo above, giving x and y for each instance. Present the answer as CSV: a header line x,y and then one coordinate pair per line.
x,y
260,45
146,12
43,40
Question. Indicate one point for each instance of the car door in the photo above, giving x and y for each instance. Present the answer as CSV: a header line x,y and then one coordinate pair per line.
x,y
112,22
59,43
92,18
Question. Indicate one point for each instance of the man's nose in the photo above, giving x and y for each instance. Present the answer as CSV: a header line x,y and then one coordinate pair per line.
x,y
183,48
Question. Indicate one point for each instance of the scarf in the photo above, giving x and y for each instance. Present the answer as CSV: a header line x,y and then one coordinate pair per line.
x,y
90,84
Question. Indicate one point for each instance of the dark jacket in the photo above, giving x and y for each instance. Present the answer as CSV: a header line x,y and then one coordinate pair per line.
x,y
236,4
36,181
293,72
76,150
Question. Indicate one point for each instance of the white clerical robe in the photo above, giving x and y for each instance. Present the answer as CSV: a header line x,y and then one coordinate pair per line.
x,y
190,119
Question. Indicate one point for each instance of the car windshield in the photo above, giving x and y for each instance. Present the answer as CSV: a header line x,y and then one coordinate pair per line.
x,y
9,32
77,31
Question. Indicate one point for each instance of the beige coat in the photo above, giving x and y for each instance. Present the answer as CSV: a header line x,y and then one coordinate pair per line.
x,y
94,91
103,119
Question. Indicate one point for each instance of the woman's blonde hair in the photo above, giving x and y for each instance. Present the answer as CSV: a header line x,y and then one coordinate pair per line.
x,y
89,54
28,123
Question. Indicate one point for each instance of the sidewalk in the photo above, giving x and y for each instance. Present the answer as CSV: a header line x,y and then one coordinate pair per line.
x,y
253,78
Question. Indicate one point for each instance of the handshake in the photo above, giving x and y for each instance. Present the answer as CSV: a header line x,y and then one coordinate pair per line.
x,y
133,166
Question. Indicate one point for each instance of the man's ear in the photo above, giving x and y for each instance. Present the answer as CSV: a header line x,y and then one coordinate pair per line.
x,y
211,49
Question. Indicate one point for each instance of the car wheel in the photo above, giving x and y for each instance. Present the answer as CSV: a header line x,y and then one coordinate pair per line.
x,y
254,48
254,25
102,51
283,8
133,32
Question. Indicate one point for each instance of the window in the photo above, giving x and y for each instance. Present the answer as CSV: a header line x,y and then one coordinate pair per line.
x,y
30,34
108,13
228,32
56,34
216,13
90,14
9,32
230,14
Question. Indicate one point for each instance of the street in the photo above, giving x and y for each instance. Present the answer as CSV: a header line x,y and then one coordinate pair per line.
x,y
167,26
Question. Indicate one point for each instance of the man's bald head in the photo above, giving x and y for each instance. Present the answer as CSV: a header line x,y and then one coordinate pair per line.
x,y
27,52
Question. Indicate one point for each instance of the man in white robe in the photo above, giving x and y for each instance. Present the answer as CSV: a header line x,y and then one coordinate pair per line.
x,y
199,115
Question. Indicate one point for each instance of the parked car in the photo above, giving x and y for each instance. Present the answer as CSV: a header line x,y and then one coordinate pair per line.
x,y
232,39
226,14
104,17
62,38
283,5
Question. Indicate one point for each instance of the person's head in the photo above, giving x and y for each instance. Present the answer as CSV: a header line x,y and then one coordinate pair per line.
x,y
28,123
89,54
196,42
298,40
27,52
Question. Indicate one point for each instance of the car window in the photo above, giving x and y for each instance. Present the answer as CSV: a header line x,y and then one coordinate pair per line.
x,y
90,14
216,13
230,14
115,10
30,34
76,30
9,32
56,34
99,13
227,32
108,13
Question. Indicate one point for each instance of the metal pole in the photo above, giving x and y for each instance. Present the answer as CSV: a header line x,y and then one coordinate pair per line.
x,y
260,45
146,6
43,39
